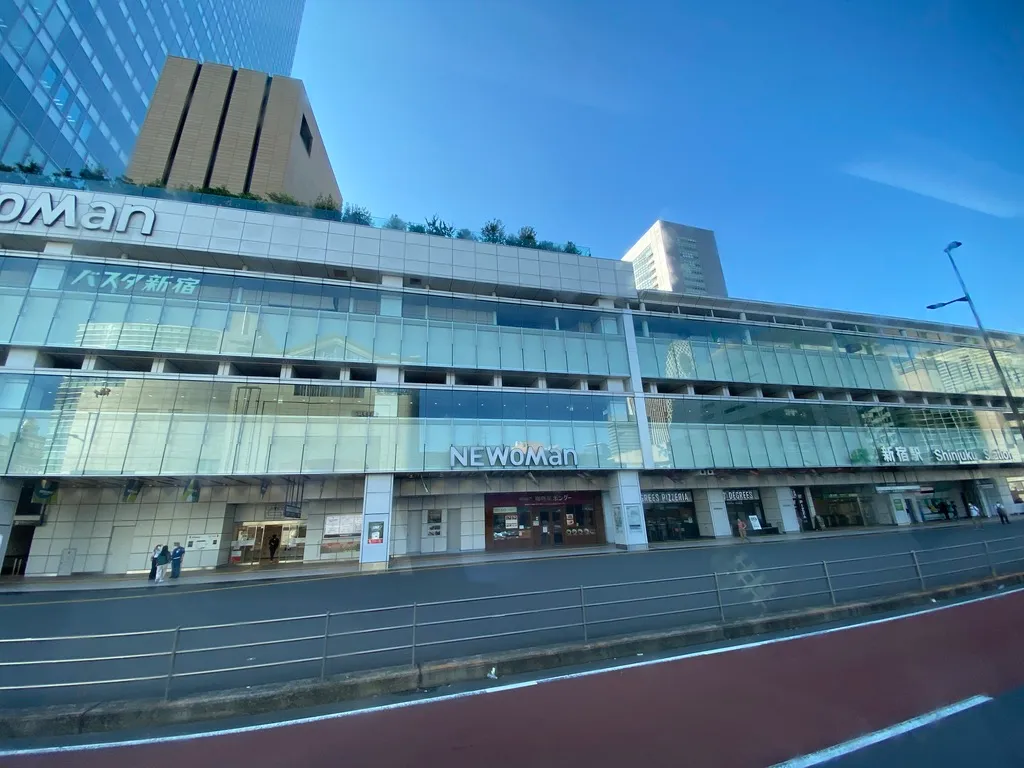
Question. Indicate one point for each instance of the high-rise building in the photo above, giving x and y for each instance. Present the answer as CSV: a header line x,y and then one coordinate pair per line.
x,y
677,258
212,126
76,76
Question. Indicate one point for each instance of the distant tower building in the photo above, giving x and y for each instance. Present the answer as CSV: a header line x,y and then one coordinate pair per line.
x,y
679,259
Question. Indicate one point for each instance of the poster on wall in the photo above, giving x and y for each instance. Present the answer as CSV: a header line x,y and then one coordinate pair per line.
x,y
755,522
570,518
635,516
342,525
511,522
375,533
434,516
434,530
617,513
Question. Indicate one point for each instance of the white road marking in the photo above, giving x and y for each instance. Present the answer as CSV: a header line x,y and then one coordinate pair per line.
x,y
839,750
493,689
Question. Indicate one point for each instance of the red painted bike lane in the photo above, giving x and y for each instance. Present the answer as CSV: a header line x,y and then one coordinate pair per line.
x,y
746,707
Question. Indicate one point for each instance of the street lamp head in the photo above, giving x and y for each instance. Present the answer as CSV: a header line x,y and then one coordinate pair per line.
x,y
952,246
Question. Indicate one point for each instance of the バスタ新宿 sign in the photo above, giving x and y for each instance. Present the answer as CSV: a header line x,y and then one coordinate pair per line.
x,y
511,456
97,215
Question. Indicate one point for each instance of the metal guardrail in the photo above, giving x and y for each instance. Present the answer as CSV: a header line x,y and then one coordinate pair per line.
x,y
213,656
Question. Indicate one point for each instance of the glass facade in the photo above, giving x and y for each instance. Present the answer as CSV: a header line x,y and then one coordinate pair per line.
x,y
88,425
133,307
692,349
76,75
695,433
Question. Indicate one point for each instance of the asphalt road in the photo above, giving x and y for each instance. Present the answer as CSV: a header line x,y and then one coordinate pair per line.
x,y
757,704
551,613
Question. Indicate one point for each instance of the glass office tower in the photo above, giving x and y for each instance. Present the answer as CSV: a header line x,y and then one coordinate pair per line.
x,y
76,76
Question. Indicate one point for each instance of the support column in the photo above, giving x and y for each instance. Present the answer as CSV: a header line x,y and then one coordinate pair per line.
x,y
779,509
378,494
996,489
712,517
637,386
10,491
629,529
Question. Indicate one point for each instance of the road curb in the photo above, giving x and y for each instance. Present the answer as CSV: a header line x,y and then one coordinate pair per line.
x,y
51,722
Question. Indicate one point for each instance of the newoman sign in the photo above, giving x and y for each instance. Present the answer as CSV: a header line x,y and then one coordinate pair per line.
x,y
511,456
98,215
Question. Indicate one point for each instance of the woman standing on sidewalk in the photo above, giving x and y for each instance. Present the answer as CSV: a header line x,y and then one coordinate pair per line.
x,y
741,527
161,563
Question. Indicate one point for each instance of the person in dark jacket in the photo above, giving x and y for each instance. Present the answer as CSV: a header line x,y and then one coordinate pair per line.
x,y
161,563
272,545
152,561
177,556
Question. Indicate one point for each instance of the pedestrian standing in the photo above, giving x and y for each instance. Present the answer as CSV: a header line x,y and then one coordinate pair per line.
x,y
177,556
741,527
1004,519
975,515
161,563
272,545
152,561
944,509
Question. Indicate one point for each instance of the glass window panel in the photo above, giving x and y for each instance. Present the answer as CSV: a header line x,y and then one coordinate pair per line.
x,y
648,356
618,357
37,313
787,369
738,446
597,356
330,337
737,363
576,354
554,353
207,329
175,328
271,330
873,365
70,322
537,406
240,335
846,376
464,346
10,308
801,367
860,372
440,344
776,450
513,406
701,447
139,331
758,449
720,452
415,343
49,275
772,370
817,367
387,340
755,367
351,451
533,351
682,452
301,339
791,446
488,352
823,447
839,448
511,349
359,342
702,361
590,445
107,321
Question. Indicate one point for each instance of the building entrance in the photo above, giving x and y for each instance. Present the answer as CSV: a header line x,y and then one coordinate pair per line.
x,y
518,521
265,542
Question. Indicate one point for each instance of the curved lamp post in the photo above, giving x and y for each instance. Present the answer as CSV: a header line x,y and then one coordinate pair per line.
x,y
948,250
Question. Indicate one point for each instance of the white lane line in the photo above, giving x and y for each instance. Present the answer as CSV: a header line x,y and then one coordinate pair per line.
x,y
839,750
494,689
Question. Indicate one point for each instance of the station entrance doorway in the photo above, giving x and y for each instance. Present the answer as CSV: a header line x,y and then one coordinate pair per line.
x,y
264,542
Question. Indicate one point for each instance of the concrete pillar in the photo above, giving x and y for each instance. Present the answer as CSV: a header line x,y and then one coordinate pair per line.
x,y
378,495
629,529
25,357
779,509
996,489
712,517
10,491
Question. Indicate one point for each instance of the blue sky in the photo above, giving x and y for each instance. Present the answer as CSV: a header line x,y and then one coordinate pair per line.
x,y
835,147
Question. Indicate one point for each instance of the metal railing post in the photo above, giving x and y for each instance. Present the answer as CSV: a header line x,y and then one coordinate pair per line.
x,y
718,598
828,580
327,637
583,612
988,559
917,569
170,667
414,634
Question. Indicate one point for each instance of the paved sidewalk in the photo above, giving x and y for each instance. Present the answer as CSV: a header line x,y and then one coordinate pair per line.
x,y
268,572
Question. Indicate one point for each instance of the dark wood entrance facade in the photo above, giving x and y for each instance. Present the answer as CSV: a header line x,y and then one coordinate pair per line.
x,y
521,521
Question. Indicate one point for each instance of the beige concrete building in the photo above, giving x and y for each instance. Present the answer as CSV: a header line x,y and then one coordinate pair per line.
x,y
210,125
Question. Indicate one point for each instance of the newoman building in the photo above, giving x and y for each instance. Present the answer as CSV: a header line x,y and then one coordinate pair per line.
x,y
175,370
